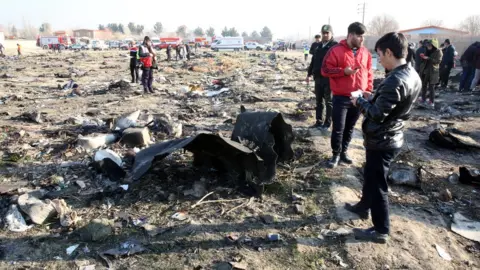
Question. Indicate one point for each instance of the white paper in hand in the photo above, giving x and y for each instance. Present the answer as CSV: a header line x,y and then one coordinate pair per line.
x,y
357,94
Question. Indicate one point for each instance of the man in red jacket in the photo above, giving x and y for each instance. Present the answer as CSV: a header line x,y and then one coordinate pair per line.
x,y
348,65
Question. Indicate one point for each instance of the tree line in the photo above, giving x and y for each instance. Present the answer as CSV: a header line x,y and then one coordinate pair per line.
x,y
382,24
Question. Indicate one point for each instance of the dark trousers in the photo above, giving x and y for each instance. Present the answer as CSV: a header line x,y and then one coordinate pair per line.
x,y
445,70
147,78
430,88
324,101
344,117
467,77
134,72
375,187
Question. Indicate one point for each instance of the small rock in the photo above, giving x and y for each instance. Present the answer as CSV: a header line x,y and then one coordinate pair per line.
x,y
446,195
299,209
134,137
296,197
38,210
172,197
267,219
96,230
180,216
454,179
81,184
238,265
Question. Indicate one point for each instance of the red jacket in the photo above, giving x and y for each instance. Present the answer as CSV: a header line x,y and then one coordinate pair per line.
x,y
337,59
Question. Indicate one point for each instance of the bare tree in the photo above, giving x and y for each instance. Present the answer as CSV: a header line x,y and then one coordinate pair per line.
x,y
471,24
182,31
432,22
382,24
46,28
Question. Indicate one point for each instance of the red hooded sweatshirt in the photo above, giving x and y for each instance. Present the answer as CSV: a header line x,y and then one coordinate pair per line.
x,y
341,56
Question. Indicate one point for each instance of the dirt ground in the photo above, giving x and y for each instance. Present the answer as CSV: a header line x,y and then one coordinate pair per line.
x,y
232,227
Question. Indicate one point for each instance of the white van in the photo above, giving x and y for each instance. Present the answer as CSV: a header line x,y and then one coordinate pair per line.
x,y
98,45
228,43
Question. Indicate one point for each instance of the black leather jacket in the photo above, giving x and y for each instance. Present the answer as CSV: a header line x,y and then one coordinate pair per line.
x,y
389,107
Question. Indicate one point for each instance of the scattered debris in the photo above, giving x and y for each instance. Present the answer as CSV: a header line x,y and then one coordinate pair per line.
x,y
465,227
15,221
443,253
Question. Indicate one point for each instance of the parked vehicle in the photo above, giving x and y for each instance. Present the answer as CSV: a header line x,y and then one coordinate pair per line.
x,y
124,46
164,42
155,42
47,42
80,46
228,43
99,45
113,44
254,46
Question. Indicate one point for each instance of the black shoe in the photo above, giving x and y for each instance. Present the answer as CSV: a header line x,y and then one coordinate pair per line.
x,y
145,91
317,125
332,163
370,235
151,91
133,81
361,212
326,126
345,159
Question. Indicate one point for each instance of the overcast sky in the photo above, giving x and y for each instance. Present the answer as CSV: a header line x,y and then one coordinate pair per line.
x,y
287,19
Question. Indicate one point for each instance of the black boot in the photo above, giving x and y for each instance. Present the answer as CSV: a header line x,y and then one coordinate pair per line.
x,y
370,235
357,209
151,90
145,90
345,159
332,163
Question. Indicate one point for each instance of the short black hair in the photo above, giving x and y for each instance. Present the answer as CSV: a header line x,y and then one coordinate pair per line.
x,y
357,28
146,39
420,42
317,36
447,41
396,42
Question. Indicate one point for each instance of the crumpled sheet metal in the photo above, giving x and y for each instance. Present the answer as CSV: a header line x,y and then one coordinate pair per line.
x,y
212,150
269,132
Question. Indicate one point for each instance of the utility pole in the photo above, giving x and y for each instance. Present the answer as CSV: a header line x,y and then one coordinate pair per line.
x,y
328,20
361,10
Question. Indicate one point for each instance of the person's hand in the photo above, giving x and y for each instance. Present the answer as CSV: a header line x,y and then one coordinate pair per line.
x,y
366,94
307,79
349,71
354,101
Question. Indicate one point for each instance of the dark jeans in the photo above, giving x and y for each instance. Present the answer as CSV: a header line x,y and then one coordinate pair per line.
x,y
445,70
134,72
467,76
375,187
324,101
147,78
344,117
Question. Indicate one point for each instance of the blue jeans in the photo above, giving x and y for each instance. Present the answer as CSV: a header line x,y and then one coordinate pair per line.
x,y
467,76
344,118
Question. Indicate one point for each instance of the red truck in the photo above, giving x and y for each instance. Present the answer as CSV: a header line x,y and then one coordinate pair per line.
x,y
46,42
164,42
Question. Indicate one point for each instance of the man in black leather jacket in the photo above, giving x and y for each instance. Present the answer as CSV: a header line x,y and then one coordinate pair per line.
x,y
384,116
